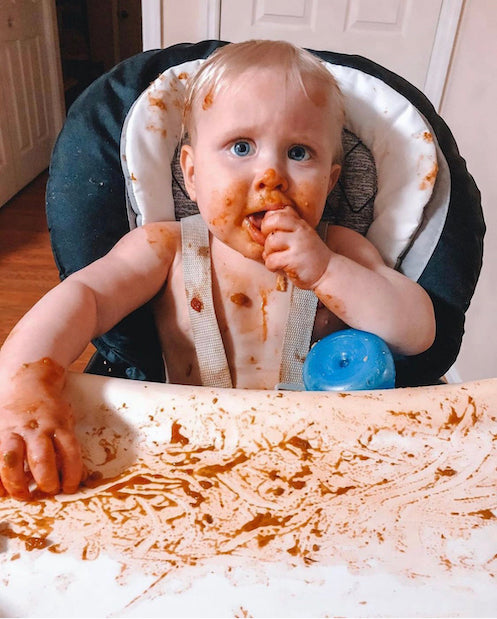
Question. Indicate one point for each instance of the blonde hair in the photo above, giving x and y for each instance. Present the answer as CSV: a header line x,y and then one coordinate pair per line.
x,y
298,65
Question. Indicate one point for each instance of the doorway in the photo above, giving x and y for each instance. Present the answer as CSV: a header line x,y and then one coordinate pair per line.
x,y
94,36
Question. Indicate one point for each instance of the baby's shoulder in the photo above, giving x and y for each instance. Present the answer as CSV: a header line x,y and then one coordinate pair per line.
x,y
353,245
162,232
164,237
168,228
340,235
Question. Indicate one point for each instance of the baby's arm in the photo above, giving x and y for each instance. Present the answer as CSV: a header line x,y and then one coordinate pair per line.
x,y
36,424
349,276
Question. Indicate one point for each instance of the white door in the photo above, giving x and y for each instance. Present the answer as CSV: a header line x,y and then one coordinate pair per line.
x,y
7,168
413,38
398,34
31,110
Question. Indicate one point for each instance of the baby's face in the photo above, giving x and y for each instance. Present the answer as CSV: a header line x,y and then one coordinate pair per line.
x,y
259,145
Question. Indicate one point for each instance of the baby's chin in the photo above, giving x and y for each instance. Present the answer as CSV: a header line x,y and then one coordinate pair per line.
x,y
252,251
248,248
242,244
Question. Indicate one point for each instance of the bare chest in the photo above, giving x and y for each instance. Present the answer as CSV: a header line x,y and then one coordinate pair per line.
x,y
251,311
251,308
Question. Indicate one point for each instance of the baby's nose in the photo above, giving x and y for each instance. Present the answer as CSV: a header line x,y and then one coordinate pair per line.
x,y
271,179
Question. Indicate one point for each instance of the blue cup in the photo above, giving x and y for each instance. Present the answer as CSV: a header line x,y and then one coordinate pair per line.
x,y
349,360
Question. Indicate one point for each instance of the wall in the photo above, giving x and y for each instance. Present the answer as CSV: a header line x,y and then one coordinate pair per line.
x,y
469,108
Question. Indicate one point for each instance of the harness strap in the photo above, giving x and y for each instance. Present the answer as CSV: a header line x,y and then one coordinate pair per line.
x,y
301,315
298,334
214,369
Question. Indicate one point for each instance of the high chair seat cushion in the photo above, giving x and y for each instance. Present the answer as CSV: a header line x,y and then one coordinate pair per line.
x,y
391,128
87,215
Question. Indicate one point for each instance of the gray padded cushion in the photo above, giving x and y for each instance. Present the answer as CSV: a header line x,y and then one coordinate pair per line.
x,y
350,204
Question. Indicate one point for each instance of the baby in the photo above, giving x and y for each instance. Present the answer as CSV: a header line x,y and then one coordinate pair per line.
x,y
263,125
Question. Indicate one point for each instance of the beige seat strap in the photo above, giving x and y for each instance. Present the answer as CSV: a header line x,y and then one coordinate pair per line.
x,y
214,369
297,342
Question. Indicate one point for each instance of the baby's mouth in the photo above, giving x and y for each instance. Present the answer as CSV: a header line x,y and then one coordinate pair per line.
x,y
254,220
254,223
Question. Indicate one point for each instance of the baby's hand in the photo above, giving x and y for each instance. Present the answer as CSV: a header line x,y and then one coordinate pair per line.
x,y
37,441
294,247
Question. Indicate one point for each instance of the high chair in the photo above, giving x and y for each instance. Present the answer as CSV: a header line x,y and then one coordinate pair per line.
x,y
206,501
403,184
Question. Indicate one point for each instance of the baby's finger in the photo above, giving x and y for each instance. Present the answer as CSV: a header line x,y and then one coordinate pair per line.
x,y
42,463
13,477
70,460
276,261
277,241
284,219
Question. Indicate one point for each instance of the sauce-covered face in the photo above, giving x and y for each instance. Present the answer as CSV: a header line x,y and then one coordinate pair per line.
x,y
259,145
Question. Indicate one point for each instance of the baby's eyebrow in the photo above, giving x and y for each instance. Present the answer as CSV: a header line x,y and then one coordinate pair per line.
x,y
242,130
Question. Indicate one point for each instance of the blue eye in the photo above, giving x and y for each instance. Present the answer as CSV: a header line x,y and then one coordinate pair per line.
x,y
298,153
242,148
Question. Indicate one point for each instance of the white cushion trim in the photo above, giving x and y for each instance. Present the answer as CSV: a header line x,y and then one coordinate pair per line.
x,y
150,135
391,127
428,234
404,152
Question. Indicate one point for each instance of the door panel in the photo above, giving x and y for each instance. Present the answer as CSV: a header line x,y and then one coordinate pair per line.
x,y
27,116
8,184
31,136
398,34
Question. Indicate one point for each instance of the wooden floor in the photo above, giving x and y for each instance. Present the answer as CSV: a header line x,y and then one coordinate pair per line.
x,y
27,267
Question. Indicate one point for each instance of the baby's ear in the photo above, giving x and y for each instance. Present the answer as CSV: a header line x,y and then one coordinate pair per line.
x,y
188,169
334,176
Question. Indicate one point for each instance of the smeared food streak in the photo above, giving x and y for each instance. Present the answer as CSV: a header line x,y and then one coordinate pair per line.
x,y
208,100
10,459
197,304
240,298
264,295
391,491
160,238
430,178
281,282
47,375
157,102
156,129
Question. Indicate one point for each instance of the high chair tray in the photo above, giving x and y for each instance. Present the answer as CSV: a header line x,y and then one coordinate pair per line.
x,y
233,503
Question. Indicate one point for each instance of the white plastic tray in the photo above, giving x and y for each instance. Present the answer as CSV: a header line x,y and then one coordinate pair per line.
x,y
230,503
